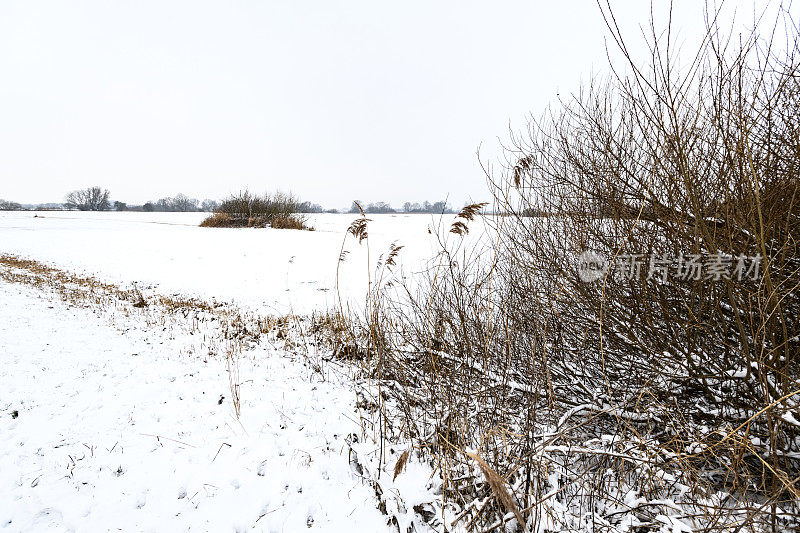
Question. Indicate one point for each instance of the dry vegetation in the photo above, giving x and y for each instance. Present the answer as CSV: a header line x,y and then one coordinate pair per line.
x,y
626,402
226,330
245,210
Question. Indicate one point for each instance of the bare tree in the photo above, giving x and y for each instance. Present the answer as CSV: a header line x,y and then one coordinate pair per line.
x,y
89,199
380,207
209,205
5,205
439,207
183,203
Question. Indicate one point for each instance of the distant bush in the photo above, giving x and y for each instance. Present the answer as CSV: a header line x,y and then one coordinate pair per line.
x,y
244,209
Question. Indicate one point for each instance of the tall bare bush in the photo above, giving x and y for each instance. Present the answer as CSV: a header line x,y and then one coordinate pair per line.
x,y
641,394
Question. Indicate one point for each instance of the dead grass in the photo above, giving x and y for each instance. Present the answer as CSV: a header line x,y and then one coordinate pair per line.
x,y
290,222
226,330
217,220
616,404
234,326
223,220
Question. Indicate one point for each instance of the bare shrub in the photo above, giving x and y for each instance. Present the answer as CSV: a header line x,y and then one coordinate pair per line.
x,y
244,209
677,169
629,400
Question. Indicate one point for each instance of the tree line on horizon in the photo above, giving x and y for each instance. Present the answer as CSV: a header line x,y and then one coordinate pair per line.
x,y
99,199
440,207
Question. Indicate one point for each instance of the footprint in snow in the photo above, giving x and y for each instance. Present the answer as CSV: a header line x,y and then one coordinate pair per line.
x,y
47,517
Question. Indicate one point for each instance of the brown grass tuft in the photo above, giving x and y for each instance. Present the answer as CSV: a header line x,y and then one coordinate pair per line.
x,y
468,214
216,220
358,229
498,486
401,464
290,222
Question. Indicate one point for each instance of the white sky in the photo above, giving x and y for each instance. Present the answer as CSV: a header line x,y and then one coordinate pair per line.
x,y
334,100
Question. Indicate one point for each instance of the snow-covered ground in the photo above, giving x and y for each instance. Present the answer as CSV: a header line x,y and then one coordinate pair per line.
x,y
107,428
278,271
115,418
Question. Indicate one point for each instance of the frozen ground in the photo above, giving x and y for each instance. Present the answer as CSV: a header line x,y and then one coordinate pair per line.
x,y
109,423
278,271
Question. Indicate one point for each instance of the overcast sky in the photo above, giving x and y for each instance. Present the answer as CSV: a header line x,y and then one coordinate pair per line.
x,y
334,100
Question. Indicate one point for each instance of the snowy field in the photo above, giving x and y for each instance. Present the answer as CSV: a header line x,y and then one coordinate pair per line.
x,y
120,427
117,418
278,271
